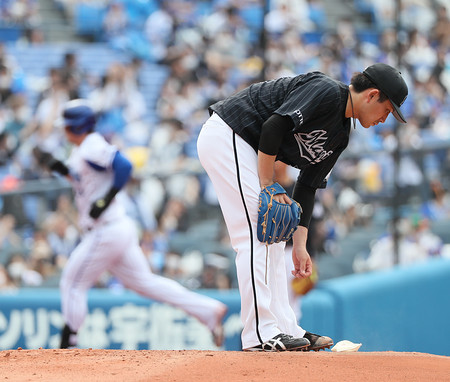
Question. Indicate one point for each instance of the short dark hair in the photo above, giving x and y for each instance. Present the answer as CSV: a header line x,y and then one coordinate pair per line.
x,y
360,82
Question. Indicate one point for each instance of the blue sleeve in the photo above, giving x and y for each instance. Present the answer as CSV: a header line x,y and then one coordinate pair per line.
x,y
122,170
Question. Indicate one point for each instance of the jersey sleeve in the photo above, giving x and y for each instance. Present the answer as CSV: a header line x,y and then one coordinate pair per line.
x,y
98,152
309,100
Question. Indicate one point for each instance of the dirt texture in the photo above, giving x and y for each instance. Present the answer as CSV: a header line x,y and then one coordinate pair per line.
x,y
191,365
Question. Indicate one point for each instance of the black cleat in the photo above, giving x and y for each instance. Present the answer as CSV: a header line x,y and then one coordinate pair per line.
x,y
68,338
281,342
317,342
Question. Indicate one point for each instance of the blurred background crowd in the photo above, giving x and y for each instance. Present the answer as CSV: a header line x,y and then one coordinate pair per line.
x,y
163,62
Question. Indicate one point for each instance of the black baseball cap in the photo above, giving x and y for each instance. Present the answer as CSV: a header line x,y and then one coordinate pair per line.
x,y
389,80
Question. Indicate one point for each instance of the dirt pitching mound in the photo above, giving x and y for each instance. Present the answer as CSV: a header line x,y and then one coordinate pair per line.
x,y
191,365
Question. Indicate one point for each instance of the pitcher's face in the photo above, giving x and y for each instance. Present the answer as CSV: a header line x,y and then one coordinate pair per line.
x,y
372,111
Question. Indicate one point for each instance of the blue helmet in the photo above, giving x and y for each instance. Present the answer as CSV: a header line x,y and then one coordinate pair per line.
x,y
78,117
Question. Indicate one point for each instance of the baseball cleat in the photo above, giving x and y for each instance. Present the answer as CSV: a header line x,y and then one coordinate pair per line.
x,y
317,342
68,338
281,342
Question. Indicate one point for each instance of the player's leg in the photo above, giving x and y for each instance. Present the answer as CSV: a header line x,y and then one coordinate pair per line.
x,y
134,271
294,298
280,303
237,188
85,265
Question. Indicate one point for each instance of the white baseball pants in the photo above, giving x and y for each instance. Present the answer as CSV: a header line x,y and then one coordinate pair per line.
x,y
232,166
114,247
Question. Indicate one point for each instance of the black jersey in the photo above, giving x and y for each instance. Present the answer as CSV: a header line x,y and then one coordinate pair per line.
x,y
316,104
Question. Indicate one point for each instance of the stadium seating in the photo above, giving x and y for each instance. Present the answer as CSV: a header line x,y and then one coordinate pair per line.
x,y
10,33
94,58
88,19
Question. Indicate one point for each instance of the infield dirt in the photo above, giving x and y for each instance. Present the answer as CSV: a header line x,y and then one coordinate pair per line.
x,y
199,366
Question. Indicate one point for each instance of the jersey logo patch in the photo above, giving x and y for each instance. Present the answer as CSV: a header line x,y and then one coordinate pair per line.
x,y
311,145
299,115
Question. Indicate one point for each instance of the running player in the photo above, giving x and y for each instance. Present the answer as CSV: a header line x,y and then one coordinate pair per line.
x,y
109,242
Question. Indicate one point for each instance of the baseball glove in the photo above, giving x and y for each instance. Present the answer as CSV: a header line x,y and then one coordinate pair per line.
x,y
276,221
47,160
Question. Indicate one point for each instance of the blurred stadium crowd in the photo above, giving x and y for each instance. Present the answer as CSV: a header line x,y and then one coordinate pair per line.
x,y
210,49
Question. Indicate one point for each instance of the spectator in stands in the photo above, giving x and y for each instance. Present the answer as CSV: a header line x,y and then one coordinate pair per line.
x,y
72,73
6,150
21,271
171,219
132,73
295,15
53,81
214,274
117,102
10,240
420,55
417,15
172,268
115,21
167,147
7,59
66,208
439,73
6,81
17,114
42,128
40,260
22,12
33,36
280,19
416,243
61,236
6,283
440,32
438,207
231,43
159,31
422,235
349,203
138,207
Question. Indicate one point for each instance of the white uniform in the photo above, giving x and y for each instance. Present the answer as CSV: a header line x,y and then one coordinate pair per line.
x,y
265,309
110,243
